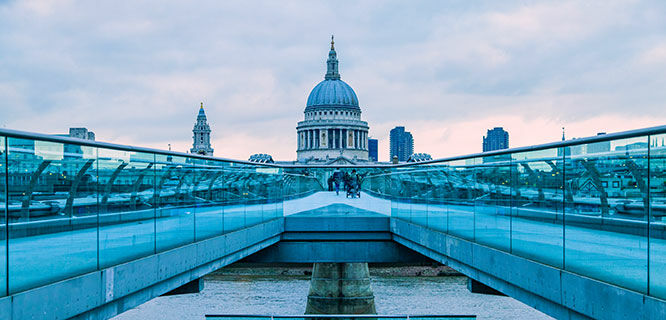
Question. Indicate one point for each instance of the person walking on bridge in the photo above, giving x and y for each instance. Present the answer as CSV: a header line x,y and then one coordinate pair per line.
x,y
337,178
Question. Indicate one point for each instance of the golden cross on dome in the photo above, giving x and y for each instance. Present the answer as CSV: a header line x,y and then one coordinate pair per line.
x,y
332,43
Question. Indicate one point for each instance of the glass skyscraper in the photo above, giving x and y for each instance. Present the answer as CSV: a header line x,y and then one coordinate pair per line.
x,y
402,143
496,139
373,145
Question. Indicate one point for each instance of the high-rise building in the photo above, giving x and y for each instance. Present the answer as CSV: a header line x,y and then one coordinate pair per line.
x,y
496,139
201,135
401,143
373,151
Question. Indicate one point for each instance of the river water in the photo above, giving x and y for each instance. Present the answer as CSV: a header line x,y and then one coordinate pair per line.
x,y
287,295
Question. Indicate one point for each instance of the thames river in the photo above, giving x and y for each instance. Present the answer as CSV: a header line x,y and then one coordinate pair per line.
x,y
287,295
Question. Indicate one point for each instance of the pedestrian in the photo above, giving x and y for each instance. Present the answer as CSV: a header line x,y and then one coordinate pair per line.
x,y
337,179
330,183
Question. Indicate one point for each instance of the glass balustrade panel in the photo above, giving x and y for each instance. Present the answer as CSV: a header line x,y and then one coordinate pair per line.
x,y
606,214
537,230
657,187
440,193
174,201
53,205
126,186
492,219
461,207
3,218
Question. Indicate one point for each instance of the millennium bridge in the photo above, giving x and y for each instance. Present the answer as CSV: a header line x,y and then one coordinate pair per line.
x,y
574,229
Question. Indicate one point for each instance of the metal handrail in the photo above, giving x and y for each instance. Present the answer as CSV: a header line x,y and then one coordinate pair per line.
x,y
107,145
558,144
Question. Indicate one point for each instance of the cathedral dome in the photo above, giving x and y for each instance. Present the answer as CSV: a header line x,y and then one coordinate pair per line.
x,y
332,92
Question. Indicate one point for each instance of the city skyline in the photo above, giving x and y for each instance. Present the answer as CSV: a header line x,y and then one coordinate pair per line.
x,y
448,72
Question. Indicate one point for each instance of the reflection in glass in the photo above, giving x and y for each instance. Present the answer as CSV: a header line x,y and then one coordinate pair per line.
x,y
492,220
3,218
174,202
537,230
210,198
658,216
606,217
52,212
127,214
461,209
440,193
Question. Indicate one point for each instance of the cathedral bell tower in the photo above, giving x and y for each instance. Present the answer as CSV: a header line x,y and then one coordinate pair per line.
x,y
201,135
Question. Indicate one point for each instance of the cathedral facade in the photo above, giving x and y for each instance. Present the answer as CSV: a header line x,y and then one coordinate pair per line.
x,y
332,127
201,135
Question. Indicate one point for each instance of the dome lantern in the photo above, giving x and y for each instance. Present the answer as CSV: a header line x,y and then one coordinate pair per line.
x,y
332,64
332,92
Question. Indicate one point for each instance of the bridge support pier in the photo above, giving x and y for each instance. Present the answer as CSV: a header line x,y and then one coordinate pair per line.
x,y
194,286
477,287
340,288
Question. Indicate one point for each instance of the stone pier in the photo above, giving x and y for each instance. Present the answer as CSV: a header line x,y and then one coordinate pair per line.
x,y
340,288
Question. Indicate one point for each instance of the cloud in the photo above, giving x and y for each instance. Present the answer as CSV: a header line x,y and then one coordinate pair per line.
x,y
136,72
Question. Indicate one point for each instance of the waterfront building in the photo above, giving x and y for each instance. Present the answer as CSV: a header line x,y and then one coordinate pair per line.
x,y
496,139
332,127
599,147
201,135
261,158
373,150
633,146
70,150
81,133
419,157
401,143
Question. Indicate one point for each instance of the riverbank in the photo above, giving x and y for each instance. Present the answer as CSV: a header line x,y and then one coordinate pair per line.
x,y
376,270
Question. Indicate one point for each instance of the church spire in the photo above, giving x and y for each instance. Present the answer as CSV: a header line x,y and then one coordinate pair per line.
x,y
202,113
332,63
201,134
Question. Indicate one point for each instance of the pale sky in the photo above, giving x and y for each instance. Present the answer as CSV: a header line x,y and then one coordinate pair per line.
x,y
135,72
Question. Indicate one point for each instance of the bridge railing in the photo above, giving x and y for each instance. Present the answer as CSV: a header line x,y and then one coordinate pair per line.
x,y
70,206
593,206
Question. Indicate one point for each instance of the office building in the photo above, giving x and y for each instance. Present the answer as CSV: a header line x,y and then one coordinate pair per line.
x,y
496,139
401,144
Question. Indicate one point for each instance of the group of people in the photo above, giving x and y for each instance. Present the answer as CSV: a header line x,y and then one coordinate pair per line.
x,y
351,182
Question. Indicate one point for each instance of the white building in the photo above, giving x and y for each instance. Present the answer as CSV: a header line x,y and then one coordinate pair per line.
x,y
332,127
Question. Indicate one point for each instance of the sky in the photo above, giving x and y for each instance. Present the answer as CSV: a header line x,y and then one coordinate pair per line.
x,y
135,72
